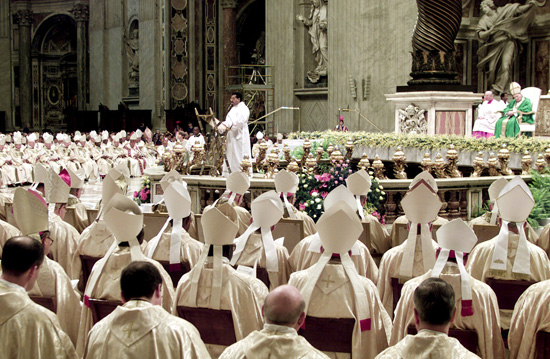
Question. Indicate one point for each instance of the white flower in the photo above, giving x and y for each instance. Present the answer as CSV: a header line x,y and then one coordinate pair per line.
x,y
315,194
317,200
318,206
381,198
314,216
305,186
377,190
383,193
305,204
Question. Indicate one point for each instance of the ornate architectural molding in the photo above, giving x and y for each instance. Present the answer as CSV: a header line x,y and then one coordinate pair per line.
x,y
81,12
229,4
24,17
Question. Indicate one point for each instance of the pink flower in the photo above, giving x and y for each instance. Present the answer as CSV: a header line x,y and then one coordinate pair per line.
x,y
331,177
324,194
135,194
335,182
143,197
301,206
350,171
323,178
314,191
340,178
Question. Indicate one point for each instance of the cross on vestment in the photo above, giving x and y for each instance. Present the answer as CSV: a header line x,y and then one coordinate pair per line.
x,y
328,281
130,327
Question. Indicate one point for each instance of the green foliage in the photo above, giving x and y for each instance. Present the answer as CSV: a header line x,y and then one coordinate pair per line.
x,y
540,188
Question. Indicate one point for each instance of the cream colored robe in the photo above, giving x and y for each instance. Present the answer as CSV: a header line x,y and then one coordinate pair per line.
x,y
333,297
81,213
53,282
241,294
389,267
378,234
243,216
274,342
427,344
139,329
4,198
485,320
190,248
531,315
301,258
309,224
108,288
29,330
530,233
6,232
543,240
480,259
395,240
65,240
254,252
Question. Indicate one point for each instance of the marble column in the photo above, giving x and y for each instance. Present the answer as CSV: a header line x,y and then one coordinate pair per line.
x,y
81,13
25,20
229,40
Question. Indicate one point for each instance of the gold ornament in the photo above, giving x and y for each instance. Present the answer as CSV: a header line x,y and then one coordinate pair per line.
x,y
364,163
349,148
286,152
526,163
427,163
245,164
492,163
293,166
452,166
540,163
440,167
479,165
399,160
378,167
504,159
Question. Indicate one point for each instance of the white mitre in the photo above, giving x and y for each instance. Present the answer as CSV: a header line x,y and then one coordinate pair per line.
x,y
287,183
359,184
494,190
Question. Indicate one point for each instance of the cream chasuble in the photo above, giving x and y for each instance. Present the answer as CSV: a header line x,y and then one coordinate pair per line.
x,y
80,214
403,220
6,232
190,250
243,216
139,329
479,264
241,294
108,288
531,315
378,234
333,297
273,342
427,344
29,330
485,320
530,233
65,240
308,251
389,268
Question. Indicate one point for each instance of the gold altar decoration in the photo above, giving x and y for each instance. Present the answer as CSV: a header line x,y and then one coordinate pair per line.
x,y
526,163
452,166
492,164
166,159
307,151
330,149
198,154
261,155
349,148
293,166
479,165
245,164
504,159
336,156
214,151
286,153
178,160
272,163
399,160
547,156
427,163
540,163
310,163
378,167
319,153
440,167
364,163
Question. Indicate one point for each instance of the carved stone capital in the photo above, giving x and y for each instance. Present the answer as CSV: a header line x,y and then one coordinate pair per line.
x,y
81,12
24,17
229,4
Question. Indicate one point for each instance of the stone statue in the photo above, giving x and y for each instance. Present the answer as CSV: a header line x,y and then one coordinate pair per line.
x,y
412,120
501,30
132,52
317,25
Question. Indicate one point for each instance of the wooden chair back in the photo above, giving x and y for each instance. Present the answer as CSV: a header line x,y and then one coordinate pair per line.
x,y
176,275
396,290
92,215
215,326
542,345
403,232
153,224
70,216
46,302
87,265
198,227
336,339
508,291
292,230
485,232
102,308
467,337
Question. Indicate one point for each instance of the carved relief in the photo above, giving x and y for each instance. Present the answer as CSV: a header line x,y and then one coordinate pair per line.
x,y
132,54
24,17
210,50
412,120
179,57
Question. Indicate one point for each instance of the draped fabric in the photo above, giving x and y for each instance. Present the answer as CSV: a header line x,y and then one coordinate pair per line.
x,y
29,330
485,320
427,344
65,240
189,252
303,257
333,297
6,232
378,234
241,294
403,220
139,329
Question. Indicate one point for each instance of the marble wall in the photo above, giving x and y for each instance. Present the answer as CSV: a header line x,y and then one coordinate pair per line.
x,y
5,64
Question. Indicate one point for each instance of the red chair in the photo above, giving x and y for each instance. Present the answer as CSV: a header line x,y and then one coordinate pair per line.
x,y
215,326
329,334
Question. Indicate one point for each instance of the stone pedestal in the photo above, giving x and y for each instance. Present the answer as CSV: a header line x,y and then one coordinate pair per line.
x,y
446,112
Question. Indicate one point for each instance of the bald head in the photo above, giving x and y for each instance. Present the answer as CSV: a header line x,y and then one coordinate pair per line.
x,y
284,306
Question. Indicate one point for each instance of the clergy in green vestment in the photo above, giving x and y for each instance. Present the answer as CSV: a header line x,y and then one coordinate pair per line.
x,y
513,114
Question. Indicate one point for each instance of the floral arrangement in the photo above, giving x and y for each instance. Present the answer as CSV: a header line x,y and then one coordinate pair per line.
x,y
313,189
144,193
426,142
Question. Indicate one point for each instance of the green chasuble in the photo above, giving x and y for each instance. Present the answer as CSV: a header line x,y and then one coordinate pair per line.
x,y
511,126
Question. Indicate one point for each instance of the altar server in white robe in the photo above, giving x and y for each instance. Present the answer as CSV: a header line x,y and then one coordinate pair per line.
x,y
238,137
509,255
309,250
141,328
286,184
256,248
332,288
284,314
434,311
416,255
213,283
476,303
124,220
31,213
428,179
237,184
